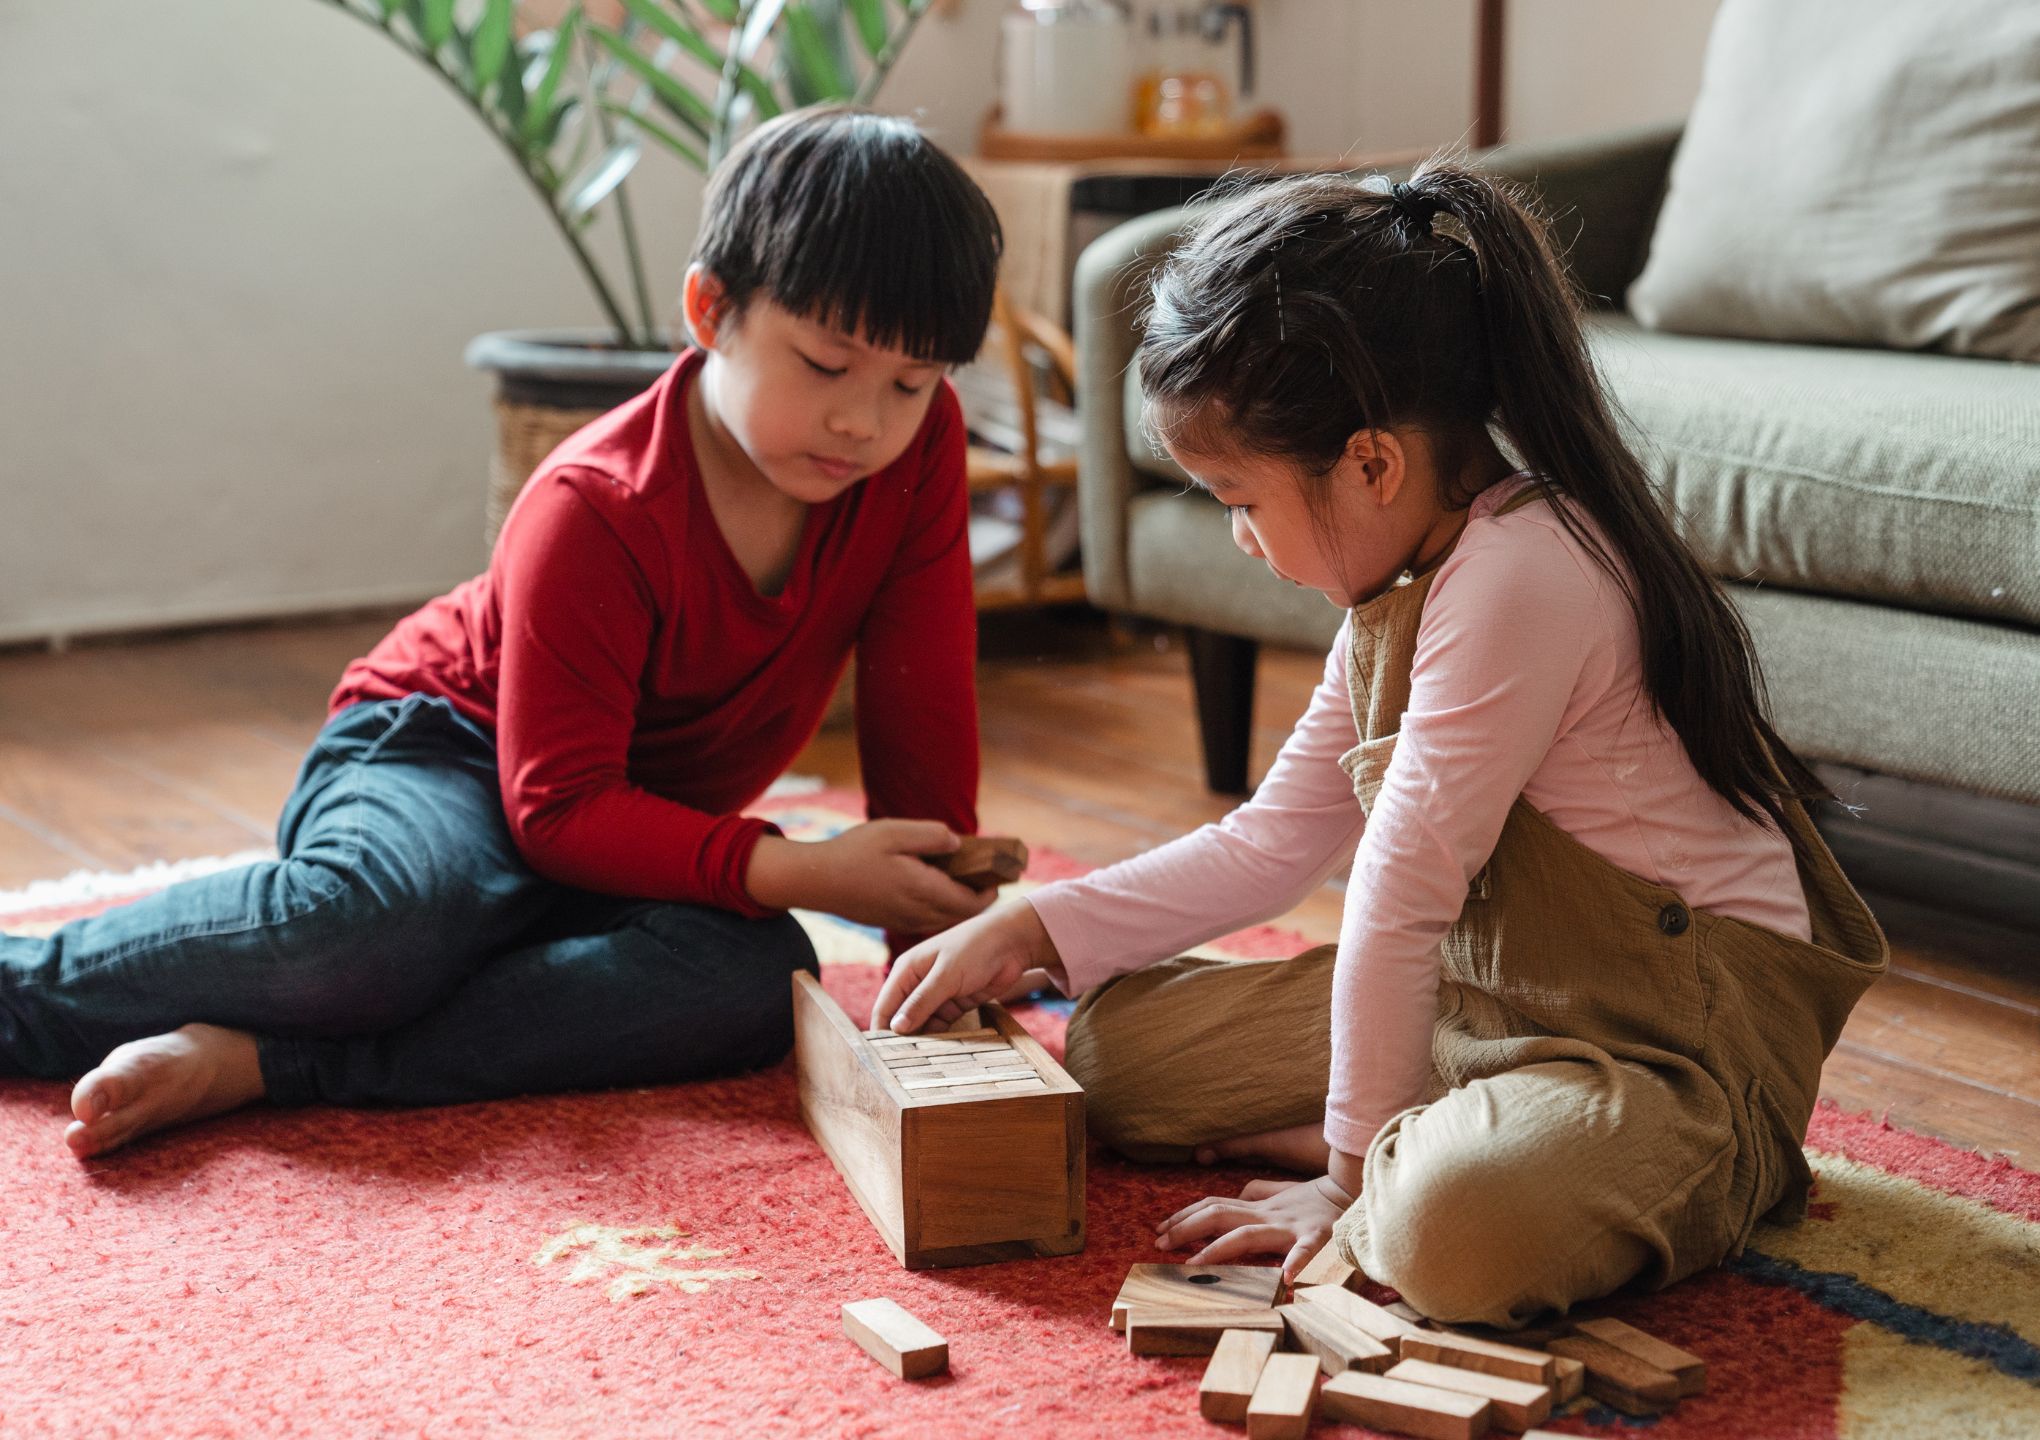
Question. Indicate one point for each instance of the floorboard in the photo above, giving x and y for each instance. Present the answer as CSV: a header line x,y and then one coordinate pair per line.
x,y
115,754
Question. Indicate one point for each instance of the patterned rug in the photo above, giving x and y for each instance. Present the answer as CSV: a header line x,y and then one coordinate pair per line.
x,y
670,1262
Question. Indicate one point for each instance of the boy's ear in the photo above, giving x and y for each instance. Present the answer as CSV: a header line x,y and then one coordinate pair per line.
x,y
703,305
1377,459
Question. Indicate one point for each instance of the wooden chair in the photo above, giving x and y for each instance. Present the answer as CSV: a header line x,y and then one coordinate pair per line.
x,y
1029,432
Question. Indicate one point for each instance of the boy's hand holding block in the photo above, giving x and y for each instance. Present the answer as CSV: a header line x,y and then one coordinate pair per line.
x,y
984,862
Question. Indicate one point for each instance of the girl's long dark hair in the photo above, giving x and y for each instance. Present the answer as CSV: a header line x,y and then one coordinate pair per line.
x,y
1308,309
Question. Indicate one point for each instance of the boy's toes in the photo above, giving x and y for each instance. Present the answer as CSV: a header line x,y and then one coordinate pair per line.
x,y
98,1095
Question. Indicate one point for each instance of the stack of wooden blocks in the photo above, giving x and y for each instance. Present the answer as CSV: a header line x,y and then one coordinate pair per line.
x,y
1278,1361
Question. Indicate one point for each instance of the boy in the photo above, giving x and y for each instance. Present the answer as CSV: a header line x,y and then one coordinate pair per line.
x,y
514,859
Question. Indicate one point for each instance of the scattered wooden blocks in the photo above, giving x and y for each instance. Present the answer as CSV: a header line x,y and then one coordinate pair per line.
x,y
984,862
1384,1404
1510,1361
1517,1404
895,1339
1208,1287
1235,1369
1337,1344
1688,1369
1326,1268
1570,1381
1618,1378
1194,1330
963,1149
1284,1399
1362,1314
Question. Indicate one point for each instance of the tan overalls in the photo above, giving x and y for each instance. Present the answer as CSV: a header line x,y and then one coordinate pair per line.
x,y
1621,1083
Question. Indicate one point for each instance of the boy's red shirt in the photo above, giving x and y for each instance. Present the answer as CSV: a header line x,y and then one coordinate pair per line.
x,y
642,691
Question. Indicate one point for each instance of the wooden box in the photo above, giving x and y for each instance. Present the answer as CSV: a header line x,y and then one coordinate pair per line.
x,y
953,1170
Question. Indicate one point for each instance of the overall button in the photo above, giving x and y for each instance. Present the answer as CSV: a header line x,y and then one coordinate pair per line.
x,y
1673,919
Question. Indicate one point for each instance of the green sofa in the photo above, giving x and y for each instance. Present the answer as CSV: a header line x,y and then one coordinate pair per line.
x,y
1875,514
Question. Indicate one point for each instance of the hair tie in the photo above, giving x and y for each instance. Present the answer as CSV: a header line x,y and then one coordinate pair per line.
x,y
1413,205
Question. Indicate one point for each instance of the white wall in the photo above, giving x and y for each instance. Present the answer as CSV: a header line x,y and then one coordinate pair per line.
x,y
243,242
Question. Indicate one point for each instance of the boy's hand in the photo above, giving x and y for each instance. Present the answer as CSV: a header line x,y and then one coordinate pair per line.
x,y
872,873
979,960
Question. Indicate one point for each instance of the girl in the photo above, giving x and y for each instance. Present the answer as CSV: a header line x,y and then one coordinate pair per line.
x,y
1594,951
515,858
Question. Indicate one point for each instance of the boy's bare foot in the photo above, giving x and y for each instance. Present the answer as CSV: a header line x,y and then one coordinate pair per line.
x,y
1302,1148
144,1085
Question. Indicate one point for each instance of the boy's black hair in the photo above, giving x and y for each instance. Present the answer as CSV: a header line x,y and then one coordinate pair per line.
x,y
860,222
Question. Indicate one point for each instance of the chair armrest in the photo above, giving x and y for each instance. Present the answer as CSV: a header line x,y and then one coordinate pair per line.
x,y
1602,194
1109,289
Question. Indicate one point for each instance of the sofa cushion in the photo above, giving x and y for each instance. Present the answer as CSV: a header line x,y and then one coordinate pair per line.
x,y
1858,172
1912,480
1909,479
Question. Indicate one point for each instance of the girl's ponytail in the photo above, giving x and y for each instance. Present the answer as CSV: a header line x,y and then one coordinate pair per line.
x,y
1699,666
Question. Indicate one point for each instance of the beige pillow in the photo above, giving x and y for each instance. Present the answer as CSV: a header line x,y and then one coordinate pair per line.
x,y
1859,172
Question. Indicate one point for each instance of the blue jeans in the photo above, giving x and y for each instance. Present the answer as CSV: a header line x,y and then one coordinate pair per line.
x,y
401,952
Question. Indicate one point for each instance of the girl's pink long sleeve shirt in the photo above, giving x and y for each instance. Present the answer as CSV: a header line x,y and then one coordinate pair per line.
x,y
1527,681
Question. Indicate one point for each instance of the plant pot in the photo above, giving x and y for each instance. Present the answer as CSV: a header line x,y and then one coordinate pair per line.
x,y
549,383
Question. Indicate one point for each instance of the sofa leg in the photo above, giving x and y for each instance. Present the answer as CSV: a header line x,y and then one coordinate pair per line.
x,y
1222,670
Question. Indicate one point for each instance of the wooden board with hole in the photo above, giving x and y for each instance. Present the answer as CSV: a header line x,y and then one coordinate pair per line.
x,y
964,1148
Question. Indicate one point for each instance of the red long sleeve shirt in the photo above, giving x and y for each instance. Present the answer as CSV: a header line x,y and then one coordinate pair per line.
x,y
642,691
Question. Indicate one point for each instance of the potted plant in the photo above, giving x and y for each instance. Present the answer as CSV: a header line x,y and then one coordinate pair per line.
x,y
576,97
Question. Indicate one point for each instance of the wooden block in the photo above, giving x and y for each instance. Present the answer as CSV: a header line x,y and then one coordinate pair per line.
x,y
1616,1377
963,1181
1518,1404
1193,1330
1235,1369
1361,1313
1683,1366
1403,1310
1210,1287
984,862
891,1043
1487,1356
938,1082
1337,1345
1396,1405
1570,1382
1326,1268
895,1339
1284,1399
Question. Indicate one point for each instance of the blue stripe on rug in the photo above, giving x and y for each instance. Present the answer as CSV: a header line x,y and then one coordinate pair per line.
x,y
2004,1350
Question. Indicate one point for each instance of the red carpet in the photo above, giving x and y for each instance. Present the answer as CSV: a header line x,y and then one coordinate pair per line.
x,y
671,1263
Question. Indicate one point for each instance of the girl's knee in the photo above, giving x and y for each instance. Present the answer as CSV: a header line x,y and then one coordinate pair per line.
x,y
1468,1240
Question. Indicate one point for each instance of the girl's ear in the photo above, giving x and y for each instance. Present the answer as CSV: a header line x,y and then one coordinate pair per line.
x,y
1377,459
702,306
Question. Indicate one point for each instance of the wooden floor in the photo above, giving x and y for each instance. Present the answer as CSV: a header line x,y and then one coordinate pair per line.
x,y
115,755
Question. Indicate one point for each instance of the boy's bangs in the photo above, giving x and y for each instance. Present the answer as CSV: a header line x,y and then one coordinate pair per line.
x,y
893,279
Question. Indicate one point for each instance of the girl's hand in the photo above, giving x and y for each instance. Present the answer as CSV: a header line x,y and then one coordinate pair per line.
x,y
872,873
979,960
1290,1218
